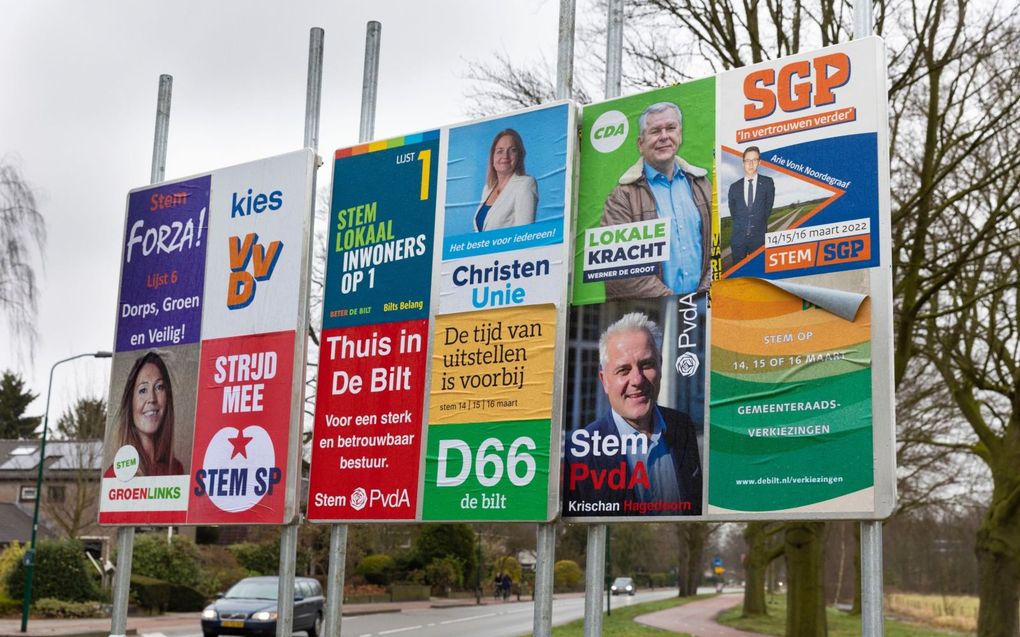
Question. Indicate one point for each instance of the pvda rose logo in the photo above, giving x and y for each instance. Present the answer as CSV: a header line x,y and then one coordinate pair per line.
x,y
687,364
359,499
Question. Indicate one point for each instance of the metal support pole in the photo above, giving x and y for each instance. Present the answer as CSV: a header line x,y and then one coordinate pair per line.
x,y
335,579
546,550
565,51
313,90
338,533
594,580
370,80
126,535
871,579
162,133
614,48
289,533
478,568
122,581
871,531
285,586
864,19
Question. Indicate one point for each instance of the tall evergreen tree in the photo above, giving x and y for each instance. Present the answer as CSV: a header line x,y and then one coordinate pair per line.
x,y
85,420
14,400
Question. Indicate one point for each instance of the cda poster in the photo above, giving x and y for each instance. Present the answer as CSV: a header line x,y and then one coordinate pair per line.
x,y
204,420
443,320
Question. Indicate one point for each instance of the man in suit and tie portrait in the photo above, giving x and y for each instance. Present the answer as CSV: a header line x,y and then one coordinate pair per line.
x,y
750,201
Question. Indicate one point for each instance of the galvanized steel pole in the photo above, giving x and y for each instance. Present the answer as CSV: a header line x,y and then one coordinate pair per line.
x,y
614,48
594,580
289,533
565,51
338,533
546,554
871,579
864,19
546,533
871,531
370,80
595,569
126,535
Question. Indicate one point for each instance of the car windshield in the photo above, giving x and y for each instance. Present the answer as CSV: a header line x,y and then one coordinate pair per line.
x,y
621,581
253,590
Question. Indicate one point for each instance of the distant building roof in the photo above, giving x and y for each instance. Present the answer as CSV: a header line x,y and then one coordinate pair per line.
x,y
62,455
15,524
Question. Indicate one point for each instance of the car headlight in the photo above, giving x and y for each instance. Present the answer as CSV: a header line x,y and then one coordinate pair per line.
x,y
209,613
630,588
264,616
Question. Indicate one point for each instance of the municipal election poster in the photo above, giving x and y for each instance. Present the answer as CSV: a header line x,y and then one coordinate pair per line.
x,y
799,163
645,202
791,401
443,320
209,350
373,351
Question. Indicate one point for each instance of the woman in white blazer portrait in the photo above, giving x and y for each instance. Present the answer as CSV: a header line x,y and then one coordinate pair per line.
x,y
510,196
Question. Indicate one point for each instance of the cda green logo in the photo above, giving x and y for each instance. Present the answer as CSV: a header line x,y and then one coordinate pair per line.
x,y
609,131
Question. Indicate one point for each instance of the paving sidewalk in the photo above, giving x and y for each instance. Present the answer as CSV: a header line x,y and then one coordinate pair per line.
x,y
698,618
142,624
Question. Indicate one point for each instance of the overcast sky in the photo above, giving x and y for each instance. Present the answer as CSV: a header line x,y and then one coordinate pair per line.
x,y
78,84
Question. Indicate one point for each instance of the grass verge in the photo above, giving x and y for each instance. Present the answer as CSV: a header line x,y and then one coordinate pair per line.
x,y
840,623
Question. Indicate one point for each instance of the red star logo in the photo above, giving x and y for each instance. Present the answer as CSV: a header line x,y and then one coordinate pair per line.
x,y
240,444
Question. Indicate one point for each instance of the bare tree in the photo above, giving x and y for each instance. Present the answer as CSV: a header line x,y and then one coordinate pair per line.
x,y
22,238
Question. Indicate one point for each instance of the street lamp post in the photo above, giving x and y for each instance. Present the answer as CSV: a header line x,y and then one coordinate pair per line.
x,y
30,554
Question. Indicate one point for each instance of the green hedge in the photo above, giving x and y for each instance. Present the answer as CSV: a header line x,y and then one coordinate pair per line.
x,y
157,596
9,606
60,573
56,608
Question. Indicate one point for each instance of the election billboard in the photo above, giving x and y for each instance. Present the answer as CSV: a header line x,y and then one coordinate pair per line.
x,y
374,346
208,365
787,413
443,321
801,381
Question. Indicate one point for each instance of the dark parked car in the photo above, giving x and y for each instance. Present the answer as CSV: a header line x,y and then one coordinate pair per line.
x,y
249,608
622,585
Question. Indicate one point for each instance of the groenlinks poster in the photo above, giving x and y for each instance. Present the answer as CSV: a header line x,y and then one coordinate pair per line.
x,y
768,188
204,417
443,319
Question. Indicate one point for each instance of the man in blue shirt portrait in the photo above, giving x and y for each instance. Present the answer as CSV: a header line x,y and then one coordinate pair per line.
x,y
662,185
639,458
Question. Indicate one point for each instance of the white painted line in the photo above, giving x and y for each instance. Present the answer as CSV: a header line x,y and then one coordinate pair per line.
x,y
467,619
400,630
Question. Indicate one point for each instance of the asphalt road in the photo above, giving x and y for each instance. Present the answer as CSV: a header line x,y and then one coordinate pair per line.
x,y
492,620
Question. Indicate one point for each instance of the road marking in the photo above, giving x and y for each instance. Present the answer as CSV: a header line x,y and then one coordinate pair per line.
x,y
400,630
467,619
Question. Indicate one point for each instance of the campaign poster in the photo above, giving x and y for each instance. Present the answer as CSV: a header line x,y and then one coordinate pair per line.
x,y
149,432
634,433
645,195
491,453
506,182
163,266
368,421
490,414
381,228
242,430
209,352
791,399
801,157
366,444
